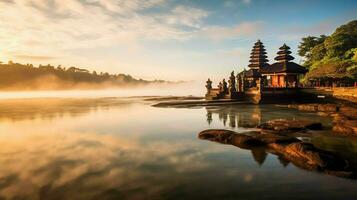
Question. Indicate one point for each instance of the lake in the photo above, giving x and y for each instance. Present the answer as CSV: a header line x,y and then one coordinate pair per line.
x,y
123,148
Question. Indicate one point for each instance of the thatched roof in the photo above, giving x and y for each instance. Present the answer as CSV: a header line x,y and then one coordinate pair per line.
x,y
286,67
258,56
284,54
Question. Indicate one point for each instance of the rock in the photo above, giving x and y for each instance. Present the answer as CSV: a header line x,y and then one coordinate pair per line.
x,y
344,125
288,150
323,114
217,135
327,107
245,141
230,137
340,128
309,157
299,154
281,125
349,112
345,121
315,107
250,139
308,107
292,106
268,138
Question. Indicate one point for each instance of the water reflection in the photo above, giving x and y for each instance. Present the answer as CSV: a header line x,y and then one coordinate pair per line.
x,y
58,166
51,108
246,117
125,149
250,116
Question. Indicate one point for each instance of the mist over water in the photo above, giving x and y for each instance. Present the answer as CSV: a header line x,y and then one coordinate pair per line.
x,y
123,148
180,89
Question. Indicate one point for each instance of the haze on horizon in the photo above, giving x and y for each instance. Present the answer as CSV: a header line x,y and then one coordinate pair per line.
x,y
160,39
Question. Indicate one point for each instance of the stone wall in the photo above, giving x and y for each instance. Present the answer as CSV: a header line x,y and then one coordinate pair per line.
x,y
346,93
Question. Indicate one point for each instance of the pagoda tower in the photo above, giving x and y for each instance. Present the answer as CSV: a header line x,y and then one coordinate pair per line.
x,y
258,58
284,54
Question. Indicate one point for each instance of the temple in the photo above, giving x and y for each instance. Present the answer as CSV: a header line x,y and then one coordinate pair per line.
x,y
263,81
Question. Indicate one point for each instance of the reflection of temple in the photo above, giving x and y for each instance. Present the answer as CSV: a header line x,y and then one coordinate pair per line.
x,y
262,81
250,116
259,155
232,117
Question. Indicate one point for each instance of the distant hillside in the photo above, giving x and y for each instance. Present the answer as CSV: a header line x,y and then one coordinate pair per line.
x,y
15,76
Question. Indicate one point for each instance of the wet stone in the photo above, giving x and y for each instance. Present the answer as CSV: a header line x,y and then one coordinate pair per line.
x,y
281,125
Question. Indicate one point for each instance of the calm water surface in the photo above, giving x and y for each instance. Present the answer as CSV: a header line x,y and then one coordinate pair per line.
x,y
122,148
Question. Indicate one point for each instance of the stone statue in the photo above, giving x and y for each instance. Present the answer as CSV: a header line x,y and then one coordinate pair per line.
x,y
239,83
243,81
258,83
208,86
225,88
232,83
220,87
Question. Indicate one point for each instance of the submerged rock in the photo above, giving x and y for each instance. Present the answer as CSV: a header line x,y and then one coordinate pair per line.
x,y
349,112
283,125
344,116
345,121
344,125
315,107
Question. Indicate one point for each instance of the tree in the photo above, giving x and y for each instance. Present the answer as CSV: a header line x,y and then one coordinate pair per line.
x,y
342,40
332,56
308,43
317,53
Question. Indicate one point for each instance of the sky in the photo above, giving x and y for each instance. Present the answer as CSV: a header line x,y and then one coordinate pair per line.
x,y
161,39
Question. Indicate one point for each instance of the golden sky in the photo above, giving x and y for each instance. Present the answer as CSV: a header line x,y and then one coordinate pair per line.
x,y
164,39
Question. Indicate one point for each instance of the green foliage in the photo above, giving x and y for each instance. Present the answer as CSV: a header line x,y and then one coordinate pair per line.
x,y
308,44
19,76
331,68
331,56
342,40
351,54
318,52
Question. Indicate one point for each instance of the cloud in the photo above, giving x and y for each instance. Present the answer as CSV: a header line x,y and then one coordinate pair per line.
x,y
50,27
246,29
187,16
113,36
73,161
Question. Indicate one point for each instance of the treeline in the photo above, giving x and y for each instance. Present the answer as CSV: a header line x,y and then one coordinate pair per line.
x,y
332,58
16,76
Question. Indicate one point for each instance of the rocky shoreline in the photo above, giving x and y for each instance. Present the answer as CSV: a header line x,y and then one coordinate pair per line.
x,y
344,115
288,148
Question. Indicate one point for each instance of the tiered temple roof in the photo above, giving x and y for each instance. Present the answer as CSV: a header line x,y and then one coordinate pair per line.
x,y
284,64
258,56
284,54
